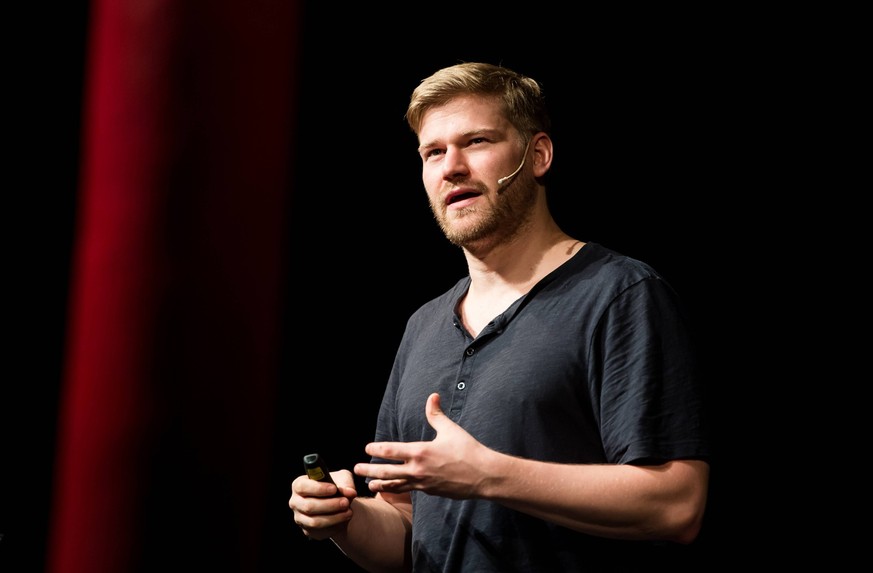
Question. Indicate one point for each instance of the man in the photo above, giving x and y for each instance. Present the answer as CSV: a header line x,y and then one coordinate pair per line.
x,y
544,413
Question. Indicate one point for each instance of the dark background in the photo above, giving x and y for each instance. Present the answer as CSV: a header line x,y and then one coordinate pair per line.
x,y
662,133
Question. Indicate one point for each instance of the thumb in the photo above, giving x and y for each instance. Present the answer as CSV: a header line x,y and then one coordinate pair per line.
x,y
433,412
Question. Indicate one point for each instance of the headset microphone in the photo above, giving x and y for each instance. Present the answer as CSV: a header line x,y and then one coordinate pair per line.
x,y
503,180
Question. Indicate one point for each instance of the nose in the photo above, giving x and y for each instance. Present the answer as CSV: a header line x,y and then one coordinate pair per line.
x,y
454,164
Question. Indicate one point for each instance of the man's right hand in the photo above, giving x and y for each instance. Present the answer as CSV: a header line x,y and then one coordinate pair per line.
x,y
318,512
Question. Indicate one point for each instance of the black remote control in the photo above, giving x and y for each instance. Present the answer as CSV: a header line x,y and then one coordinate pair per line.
x,y
317,469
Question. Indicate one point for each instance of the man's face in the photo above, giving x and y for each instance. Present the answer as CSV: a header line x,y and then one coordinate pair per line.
x,y
466,146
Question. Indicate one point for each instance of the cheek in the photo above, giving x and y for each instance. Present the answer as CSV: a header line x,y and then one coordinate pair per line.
x,y
432,196
432,189
431,181
429,174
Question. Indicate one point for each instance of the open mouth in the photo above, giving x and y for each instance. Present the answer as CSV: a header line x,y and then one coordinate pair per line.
x,y
461,197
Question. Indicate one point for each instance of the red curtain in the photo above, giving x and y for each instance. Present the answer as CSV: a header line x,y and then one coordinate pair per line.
x,y
176,292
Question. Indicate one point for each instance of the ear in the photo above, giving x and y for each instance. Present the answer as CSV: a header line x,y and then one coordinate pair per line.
x,y
542,146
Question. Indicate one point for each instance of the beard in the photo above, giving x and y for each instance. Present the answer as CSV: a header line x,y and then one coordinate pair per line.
x,y
500,219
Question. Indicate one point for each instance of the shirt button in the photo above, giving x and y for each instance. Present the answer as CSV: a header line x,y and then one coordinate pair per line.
x,y
470,351
461,385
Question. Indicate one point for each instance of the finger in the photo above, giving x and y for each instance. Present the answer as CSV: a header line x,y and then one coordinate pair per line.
x,y
305,486
310,508
432,407
435,416
320,526
381,471
391,486
397,451
343,479
349,493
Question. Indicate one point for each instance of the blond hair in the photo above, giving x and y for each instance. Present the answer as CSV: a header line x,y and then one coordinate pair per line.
x,y
522,98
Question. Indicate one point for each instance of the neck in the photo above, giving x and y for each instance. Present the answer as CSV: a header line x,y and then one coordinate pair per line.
x,y
509,272
519,264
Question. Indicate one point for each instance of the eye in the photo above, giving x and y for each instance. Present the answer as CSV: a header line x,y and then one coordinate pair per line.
x,y
433,152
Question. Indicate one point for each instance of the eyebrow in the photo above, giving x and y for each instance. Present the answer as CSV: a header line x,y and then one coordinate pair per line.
x,y
485,131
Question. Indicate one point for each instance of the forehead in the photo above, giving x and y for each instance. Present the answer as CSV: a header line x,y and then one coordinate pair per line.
x,y
463,114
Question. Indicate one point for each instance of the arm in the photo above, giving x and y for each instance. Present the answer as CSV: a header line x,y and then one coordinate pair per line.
x,y
663,502
660,502
378,538
374,532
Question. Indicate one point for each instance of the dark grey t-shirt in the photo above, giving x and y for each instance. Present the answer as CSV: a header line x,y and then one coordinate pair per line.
x,y
594,365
